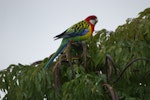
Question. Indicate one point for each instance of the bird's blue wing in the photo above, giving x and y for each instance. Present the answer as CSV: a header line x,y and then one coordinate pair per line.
x,y
80,33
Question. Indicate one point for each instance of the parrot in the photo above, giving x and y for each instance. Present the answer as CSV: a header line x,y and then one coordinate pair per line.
x,y
76,33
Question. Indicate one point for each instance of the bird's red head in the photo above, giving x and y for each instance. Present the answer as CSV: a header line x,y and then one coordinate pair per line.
x,y
92,19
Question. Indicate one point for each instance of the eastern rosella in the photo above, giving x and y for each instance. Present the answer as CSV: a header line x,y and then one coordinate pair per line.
x,y
78,32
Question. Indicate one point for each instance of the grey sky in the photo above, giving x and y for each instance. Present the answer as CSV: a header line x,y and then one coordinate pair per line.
x,y
27,27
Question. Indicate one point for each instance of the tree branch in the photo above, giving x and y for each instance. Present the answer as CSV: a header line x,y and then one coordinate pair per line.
x,y
129,65
110,63
113,94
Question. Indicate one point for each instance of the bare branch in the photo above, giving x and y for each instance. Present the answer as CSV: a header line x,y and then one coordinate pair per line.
x,y
56,76
84,53
110,63
113,94
129,65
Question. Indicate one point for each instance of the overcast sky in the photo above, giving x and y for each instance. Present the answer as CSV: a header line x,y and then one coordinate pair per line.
x,y
27,27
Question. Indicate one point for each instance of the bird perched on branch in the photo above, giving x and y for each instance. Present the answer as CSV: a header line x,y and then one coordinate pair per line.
x,y
78,32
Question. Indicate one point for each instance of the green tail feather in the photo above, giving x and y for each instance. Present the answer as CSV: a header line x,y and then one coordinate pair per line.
x,y
59,50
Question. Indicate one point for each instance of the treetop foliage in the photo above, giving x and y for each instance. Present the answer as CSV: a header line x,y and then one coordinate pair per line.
x,y
112,65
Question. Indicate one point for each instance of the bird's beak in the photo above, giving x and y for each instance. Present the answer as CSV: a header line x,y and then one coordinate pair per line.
x,y
96,20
